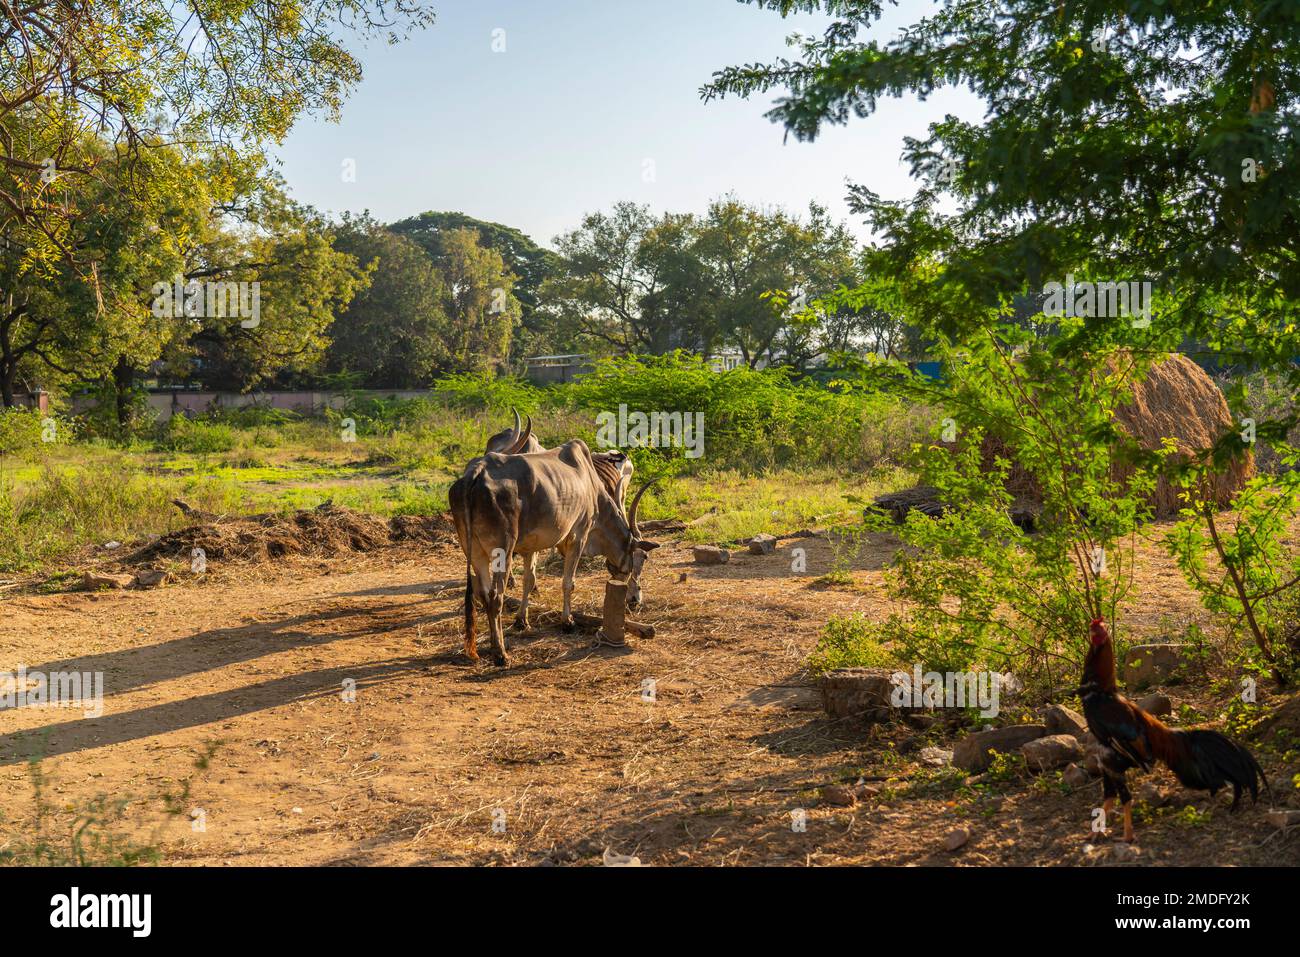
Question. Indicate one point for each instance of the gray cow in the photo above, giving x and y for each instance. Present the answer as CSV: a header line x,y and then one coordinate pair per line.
x,y
615,471
527,503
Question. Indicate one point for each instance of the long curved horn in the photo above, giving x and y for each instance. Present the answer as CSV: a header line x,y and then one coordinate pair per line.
x,y
636,503
517,422
523,439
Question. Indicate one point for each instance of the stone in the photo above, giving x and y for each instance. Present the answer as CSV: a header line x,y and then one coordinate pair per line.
x,y
838,796
1283,818
935,757
151,578
762,544
1052,751
93,581
1076,776
857,693
955,838
1092,763
1151,664
710,555
1062,720
974,752
1156,704
1151,794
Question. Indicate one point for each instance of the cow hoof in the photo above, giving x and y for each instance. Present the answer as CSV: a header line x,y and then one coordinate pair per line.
x,y
521,624
568,624
501,661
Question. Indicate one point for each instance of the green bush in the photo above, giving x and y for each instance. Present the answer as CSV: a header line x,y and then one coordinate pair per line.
x,y
196,436
753,418
850,642
25,433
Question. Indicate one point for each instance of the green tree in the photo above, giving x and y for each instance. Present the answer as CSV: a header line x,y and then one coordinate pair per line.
x,y
391,332
477,299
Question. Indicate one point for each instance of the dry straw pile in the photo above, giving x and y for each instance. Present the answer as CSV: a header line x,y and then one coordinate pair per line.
x,y
1176,400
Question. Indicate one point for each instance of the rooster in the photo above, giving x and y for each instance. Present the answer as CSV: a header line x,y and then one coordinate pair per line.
x,y
1131,738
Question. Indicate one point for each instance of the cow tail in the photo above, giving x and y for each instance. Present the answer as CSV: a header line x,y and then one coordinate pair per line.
x,y
470,633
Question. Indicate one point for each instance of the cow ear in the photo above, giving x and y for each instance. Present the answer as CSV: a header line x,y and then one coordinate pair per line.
x,y
645,546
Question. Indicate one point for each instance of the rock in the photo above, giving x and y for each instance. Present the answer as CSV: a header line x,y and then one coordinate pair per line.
x,y
955,838
610,859
762,544
151,578
857,693
710,555
92,581
838,796
110,546
864,791
1156,704
1149,664
972,753
1283,818
936,757
1124,852
922,722
1152,795
1092,763
1076,776
1062,720
1051,752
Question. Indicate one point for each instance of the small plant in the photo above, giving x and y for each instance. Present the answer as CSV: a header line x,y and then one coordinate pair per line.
x,y
849,642
93,834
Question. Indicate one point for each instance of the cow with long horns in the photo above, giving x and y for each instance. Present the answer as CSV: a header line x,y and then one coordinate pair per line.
x,y
614,468
526,503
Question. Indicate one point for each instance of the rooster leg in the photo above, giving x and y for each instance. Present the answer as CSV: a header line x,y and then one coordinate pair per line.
x,y
1126,801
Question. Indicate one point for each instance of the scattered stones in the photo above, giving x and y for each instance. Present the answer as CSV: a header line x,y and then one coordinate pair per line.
x,y
710,555
1052,751
935,757
838,796
974,752
955,838
1156,704
762,544
1283,818
93,581
1076,776
857,693
1062,720
1151,664
151,578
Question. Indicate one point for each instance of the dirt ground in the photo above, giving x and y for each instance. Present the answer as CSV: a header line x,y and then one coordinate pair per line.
x,y
554,761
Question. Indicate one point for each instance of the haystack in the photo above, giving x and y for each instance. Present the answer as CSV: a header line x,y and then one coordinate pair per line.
x,y
1177,400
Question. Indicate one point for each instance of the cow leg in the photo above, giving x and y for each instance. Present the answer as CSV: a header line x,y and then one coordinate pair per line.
x,y
494,602
530,582
572,554
471,635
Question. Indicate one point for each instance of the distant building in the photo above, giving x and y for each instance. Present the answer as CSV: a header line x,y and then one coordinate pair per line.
x,y
543,370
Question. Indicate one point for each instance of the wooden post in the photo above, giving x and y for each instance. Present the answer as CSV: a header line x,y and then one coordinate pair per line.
x,y
614,613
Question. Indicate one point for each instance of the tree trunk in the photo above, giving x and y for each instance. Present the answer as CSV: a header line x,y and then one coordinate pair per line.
x,y
123,383
8,371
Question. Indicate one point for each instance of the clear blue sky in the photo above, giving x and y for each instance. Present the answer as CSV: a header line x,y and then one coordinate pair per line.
x,y
563,122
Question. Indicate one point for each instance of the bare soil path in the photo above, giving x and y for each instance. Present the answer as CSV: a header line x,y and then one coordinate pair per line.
x,y
561,748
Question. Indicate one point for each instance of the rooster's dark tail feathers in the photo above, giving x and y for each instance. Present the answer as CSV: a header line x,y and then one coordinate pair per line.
x,y
1206,760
